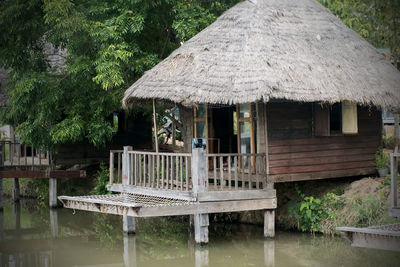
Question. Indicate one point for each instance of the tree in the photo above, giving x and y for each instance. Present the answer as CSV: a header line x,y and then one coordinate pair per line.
x,y
378,21
109,46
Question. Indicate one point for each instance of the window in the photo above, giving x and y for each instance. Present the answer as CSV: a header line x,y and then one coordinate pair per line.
x,y
336,119
247,129
200,121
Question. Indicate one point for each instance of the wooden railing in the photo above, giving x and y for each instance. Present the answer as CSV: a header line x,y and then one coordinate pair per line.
x,y
21,155
236,171
153,170
172,171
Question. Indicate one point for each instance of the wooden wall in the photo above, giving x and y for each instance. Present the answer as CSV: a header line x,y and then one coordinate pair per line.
x,y
295,154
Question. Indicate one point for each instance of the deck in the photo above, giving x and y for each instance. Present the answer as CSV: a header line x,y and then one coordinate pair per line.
x,y
150,184
385,237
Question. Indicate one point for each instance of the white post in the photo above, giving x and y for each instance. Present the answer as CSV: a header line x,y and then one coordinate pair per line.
x,y
269,223
199,179
53,192
128,222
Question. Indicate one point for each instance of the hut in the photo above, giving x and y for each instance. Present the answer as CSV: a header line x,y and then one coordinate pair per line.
x,y
286,78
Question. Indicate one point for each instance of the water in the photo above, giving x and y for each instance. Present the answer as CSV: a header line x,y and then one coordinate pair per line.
x,y
33,235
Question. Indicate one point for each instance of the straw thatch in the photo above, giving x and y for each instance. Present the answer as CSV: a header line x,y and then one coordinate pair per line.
x,y
273,49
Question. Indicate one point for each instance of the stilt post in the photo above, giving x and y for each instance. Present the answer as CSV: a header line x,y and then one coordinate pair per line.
x,y
53,193
128,222
1,194
16,192
269,223
199,178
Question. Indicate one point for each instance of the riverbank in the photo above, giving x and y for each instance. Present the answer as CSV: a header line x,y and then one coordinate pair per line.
x,y
320,206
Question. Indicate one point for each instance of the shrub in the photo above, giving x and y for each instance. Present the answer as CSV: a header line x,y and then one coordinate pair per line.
x,y
381,159
102,181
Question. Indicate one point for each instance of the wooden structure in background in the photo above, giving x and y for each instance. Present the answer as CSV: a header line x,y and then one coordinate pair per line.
x,y
21,161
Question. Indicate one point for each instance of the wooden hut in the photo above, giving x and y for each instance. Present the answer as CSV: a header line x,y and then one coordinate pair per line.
x,y
282,91
286,78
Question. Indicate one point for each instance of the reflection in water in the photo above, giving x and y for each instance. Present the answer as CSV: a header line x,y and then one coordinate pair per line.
x,y
54,222
269,252
130,250
32,237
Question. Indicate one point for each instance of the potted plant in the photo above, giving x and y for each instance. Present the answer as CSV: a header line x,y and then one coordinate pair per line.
x,y
381,161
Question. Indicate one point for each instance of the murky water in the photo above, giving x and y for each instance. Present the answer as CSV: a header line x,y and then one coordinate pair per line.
x,y
32,235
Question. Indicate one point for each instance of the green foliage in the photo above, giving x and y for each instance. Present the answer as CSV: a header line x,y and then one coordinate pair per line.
x,y
378,21
109,45
388,141
367,211
102,180
310,212
381,159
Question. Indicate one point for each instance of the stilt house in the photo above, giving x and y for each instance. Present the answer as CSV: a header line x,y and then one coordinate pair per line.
x,y
281,90
284,78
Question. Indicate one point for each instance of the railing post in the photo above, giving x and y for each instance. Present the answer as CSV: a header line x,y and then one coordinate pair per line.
x,y
126,166
128,222
393,182
199,180
111,181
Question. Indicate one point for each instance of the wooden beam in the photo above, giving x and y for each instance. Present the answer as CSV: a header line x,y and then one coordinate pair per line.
x,y
155,125
119,208
280,178
211,196
42,174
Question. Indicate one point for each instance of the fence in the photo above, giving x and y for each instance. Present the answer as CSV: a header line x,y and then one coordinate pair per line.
x,y
22,155
173,170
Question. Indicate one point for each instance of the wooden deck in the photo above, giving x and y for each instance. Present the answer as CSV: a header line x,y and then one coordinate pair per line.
x,y
150,184
385,237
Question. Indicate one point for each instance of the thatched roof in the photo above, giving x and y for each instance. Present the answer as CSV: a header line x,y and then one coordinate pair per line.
x,y
273,49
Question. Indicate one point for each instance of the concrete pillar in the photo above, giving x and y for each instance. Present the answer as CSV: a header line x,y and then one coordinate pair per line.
x,y
269,223
128,224
201,223
201,257
53,193
16,193
54,223
269,252
130,251
199,178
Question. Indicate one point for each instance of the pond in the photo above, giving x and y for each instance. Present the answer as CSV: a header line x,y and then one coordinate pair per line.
x,y
33,235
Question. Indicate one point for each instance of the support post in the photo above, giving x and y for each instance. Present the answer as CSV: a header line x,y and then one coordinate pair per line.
x,y
393,180
199,179
269,223
128,222
52,192
15,195
1,195
155,125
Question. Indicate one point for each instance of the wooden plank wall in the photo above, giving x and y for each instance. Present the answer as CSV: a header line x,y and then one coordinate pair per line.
x,y
295,154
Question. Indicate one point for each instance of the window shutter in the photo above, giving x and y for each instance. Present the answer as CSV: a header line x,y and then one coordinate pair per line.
x,y
321,120
349,118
